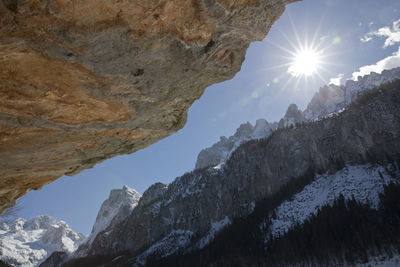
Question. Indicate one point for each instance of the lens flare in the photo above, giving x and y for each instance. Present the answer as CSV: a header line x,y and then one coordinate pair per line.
x,y
305,62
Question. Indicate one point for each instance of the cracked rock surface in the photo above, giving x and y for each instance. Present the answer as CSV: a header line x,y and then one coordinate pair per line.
x,y
83,81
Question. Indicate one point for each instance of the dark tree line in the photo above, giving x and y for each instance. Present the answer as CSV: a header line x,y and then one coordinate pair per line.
x,y
348,232
3,264
242,242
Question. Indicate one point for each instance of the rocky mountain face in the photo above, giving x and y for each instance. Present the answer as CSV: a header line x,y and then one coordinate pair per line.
x,y
28,243
221,150
332,98
292,116
367,82
83,81
352,152
114,209
328,100
117,207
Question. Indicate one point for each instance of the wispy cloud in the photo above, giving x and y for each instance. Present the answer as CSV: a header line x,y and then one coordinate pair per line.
x,y
389,62
366,38
336,80
392,34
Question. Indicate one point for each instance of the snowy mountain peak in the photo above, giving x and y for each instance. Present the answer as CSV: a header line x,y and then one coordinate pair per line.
x,y
153,193
244,130
328,100
367,82
27,243
4,226
40,222
17,225
261,129
221,150
186,215
292,111
293,115
114,209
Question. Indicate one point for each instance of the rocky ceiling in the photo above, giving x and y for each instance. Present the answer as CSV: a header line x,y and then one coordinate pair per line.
x,y
85,80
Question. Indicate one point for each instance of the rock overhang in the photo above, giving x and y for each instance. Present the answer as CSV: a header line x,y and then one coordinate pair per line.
x,y
83,81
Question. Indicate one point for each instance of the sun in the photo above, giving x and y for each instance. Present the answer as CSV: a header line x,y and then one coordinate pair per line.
x,y
304,63
305,58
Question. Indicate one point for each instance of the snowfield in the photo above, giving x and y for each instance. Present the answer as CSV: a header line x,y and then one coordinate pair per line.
x,y
363,182
28,243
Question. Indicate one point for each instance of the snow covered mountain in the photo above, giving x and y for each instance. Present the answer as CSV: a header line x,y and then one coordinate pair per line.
x,y
332,98
272,184
354,88
292,116
118,206
114,209
186,216
28,243
364,183
220,151
328,100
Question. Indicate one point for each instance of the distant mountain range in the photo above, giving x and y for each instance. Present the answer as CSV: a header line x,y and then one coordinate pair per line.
x,y
28,243
314,172
329,100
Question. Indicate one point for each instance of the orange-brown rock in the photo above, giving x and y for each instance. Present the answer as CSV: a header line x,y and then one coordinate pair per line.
x,y
85,80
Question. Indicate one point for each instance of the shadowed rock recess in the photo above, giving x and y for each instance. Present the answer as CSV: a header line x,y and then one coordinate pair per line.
x,y
83,81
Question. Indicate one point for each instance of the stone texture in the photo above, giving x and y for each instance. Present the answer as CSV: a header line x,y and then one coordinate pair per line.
x,y
83,81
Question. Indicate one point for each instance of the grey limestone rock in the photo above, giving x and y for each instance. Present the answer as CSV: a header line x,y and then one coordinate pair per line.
x,y
196,203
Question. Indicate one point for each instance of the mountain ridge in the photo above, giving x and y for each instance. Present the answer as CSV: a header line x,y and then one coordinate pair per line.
x,y
187,208
326,101
29,242
176,223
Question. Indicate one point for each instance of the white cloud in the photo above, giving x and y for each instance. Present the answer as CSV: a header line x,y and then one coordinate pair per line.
x,y
389,62
336,80
366,38
392,35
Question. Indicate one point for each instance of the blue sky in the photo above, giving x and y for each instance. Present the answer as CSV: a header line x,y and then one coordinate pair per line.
x,y
348,36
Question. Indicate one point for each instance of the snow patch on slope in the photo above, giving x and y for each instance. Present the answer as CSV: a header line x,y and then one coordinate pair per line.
x,y
363,182
172,243
382,261
214,229
28,243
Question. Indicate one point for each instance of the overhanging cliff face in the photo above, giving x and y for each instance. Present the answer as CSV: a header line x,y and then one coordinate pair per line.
x,y
83,81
